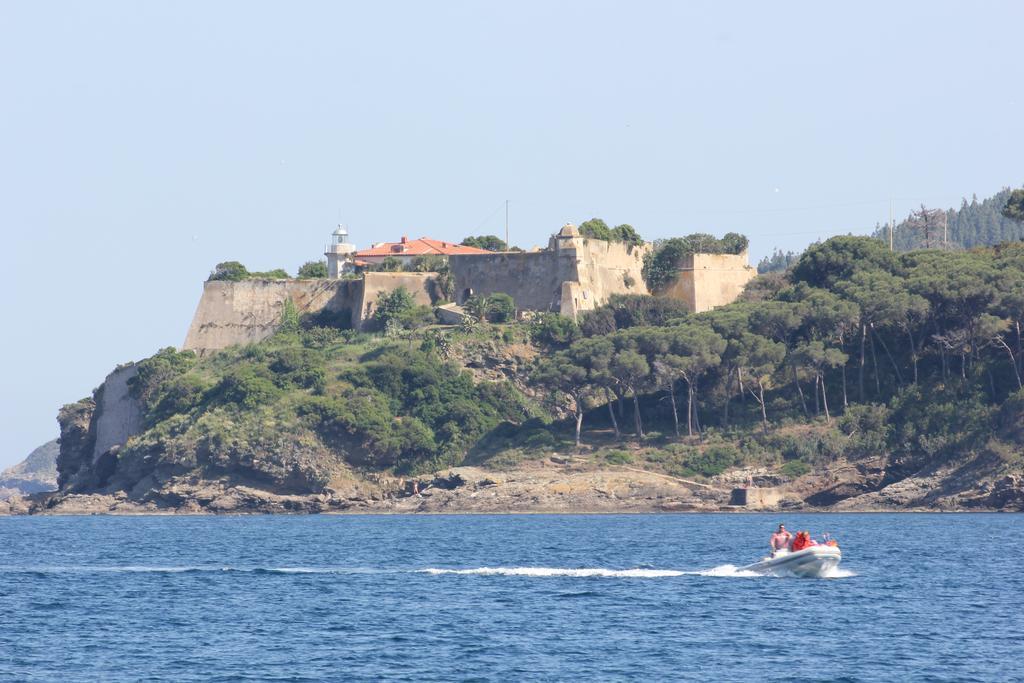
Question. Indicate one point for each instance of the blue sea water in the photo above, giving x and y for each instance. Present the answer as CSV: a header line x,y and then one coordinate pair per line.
x,y
534,597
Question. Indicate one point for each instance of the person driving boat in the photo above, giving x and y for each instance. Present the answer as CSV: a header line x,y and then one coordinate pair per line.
x,y
780,540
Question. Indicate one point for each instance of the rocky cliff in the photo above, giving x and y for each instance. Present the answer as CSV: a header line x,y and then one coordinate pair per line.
x,y
35,474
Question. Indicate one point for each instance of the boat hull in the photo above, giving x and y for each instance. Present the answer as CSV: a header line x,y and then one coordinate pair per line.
x,y
815,562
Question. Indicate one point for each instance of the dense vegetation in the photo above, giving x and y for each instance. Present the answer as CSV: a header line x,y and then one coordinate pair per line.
x,y
233,271
373,403
312,269
488,242
918,355
976,223
854,352
597,229
1014,207
992,221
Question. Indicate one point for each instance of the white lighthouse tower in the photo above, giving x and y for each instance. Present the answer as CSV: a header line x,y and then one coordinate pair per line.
x,y
339,252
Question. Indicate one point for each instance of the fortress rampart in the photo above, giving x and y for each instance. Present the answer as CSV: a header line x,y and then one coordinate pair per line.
x,y
248,311
706,281
572,275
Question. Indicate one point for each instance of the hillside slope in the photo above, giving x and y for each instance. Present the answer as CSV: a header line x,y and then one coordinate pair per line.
x,y
862,379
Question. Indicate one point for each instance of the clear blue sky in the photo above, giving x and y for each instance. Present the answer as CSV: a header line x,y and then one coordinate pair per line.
x,y
141,143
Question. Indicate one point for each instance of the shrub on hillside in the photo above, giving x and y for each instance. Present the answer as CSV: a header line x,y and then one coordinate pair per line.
x,y
552,329
631,310
392,306
154,376
313,269
179,396
275,274
713,461
618,458
501,308
795,468
246,386
318,337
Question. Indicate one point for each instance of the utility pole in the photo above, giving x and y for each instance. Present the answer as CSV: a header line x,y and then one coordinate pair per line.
x,y
508,247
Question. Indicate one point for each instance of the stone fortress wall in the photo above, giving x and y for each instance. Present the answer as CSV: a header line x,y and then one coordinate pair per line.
x,y
707,281
231,313
574,274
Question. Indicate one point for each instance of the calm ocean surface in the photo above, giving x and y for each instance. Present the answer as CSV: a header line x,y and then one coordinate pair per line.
x,y
645,597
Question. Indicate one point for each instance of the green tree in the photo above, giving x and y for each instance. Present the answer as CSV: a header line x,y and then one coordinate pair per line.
x,y
477,306
825,317
552,329
596,355
630,371
758,359
563,375
1014,207
596,229
701,350
819,358
488,242
959,287
501,308
626,234
734,243
624,311
231,271
311,270
392,306
428,263
730,322
884,302
781,322
778,262
837,259
661,265
275,274
389,264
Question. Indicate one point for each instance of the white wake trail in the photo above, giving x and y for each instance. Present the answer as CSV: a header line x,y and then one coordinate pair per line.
x,y
728,571
558,571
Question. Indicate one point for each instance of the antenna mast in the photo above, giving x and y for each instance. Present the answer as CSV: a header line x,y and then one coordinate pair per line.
x,y
508,247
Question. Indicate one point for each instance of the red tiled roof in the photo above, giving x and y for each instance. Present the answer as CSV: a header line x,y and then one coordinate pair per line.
x,y
423,245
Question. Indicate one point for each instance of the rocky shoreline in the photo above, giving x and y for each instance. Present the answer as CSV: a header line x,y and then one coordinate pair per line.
x,y
470,490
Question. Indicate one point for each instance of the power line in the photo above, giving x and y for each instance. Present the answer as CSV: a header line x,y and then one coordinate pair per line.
x,y
816,207
491,215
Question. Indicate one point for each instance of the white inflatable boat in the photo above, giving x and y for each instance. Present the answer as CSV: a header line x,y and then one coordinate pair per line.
x,y
815,562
